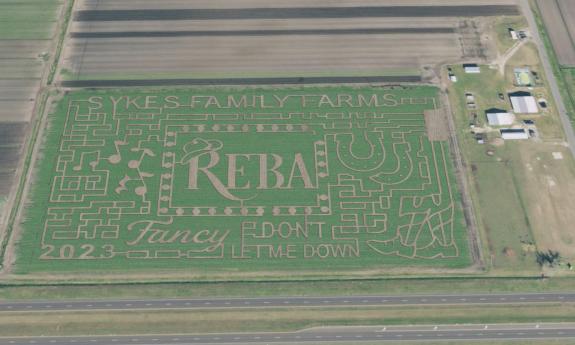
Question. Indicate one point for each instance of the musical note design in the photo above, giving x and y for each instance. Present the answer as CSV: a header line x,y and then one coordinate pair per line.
x,y
117,157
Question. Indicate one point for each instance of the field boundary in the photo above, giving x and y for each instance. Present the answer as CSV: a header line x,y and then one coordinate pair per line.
x,y
568,99
474,239
41,97
238,81
87,244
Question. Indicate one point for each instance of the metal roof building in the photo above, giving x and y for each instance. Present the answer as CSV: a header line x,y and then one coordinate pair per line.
x,y
497,117
523,103
514,134
471,68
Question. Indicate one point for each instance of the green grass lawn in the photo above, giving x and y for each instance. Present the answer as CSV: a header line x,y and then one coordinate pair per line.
x,y
504,192
319,287
267,319
227,182
499,208
569,77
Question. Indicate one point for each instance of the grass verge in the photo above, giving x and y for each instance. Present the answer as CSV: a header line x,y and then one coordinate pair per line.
x,y
60,44
296,288
559,72
266,320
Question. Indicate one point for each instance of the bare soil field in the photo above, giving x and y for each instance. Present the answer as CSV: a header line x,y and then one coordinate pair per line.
x,y
26,32
302,32
17,90
254,38
11,142
17,49
558,17
21,62
263,54
275,24
296,12
177,4
239,81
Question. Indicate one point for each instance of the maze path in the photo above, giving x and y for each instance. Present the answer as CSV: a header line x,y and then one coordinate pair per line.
x,y
181,180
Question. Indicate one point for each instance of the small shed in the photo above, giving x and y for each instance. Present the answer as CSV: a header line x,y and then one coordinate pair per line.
x,y
513,34
471,68
523,103
498,117
514,134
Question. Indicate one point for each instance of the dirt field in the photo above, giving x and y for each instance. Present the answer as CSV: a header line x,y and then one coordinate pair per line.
x,y
558,17
105,83
261,55
204,39
20,49
26,29
175,4
548,171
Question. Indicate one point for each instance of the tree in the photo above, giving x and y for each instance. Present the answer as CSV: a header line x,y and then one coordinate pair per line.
x,y
549,257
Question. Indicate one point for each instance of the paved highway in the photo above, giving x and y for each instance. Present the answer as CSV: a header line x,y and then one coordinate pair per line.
x,y
214,303
339,334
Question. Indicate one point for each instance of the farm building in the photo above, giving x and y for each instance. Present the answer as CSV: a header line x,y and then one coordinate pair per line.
x,y
523,103
471,68
514,134
498,117
513,34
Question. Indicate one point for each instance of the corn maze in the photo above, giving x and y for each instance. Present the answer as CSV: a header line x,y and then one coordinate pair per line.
x,y
244,180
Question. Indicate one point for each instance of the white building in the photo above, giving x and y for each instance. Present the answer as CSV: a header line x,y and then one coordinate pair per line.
x,y
513,34
523,103
471,68
514,134
500,118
